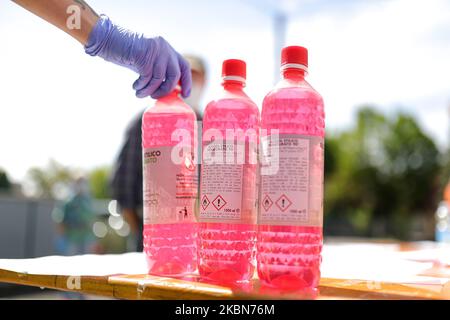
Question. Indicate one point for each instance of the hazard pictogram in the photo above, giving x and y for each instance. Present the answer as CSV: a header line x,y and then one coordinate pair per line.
x,y
267,203
205,202
183,212
283,203
219,202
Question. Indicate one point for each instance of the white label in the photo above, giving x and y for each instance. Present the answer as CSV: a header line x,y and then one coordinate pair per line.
x,y
170,190
287,188
221,183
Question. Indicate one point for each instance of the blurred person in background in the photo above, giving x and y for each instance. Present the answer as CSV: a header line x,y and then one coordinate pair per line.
x,y
198,71
127,172
74,218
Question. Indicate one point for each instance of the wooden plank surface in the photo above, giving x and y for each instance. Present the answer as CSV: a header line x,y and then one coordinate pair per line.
x,y
150,287
108,281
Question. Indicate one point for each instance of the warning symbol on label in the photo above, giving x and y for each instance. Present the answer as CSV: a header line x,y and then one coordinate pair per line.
x,y
267,203
283,203
183,212
205,202
219,202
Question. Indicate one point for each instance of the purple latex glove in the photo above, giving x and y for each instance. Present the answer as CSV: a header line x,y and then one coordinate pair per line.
x,y
160,67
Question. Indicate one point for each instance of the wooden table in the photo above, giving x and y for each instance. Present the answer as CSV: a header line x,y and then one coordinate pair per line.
x,y
406,271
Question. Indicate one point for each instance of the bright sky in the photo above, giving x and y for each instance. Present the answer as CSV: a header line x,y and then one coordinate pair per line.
x,y
56,102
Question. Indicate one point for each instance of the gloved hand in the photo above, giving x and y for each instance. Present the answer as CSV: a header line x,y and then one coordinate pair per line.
x,y
160,67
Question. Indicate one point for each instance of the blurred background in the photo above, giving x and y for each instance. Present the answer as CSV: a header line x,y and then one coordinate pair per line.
x,y
382,67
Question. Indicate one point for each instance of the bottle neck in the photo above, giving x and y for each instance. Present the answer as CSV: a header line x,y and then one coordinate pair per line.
x,y
175,93
293,73
232,85
170,97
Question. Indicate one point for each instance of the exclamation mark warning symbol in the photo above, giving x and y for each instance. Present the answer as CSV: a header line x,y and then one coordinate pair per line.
x,y
219,202
283,203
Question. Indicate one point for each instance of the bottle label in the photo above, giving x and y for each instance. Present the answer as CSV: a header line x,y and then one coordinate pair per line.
x,y
221,182
170,189
291,180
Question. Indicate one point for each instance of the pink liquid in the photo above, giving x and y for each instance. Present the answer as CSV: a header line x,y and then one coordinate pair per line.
x,y
226,251
289,256
170,248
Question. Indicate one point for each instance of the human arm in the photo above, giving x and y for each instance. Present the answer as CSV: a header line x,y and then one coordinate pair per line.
x,y
61,13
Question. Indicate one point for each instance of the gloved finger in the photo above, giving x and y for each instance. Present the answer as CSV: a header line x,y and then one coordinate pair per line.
x,y
141,82
159,72
186,76
172,77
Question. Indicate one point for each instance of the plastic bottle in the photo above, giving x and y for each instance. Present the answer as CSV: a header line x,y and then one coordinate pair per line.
x,y
170,186
291,208
228,199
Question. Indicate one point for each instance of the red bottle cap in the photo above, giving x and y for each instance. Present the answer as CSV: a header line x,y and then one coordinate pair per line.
x,y
234,70
294,55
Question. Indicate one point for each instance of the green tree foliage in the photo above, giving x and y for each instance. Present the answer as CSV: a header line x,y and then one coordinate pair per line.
x,y
445,176
382,170
99,182
5,184
50,181
55,181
